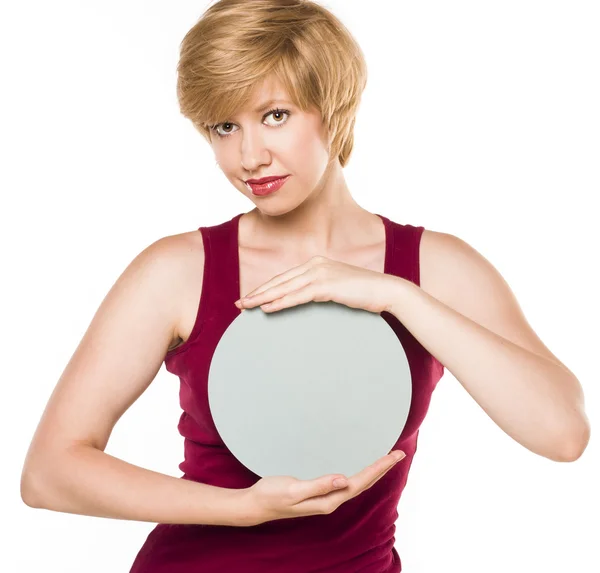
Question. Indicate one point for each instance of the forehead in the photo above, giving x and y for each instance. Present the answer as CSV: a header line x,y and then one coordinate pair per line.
x,y
266,93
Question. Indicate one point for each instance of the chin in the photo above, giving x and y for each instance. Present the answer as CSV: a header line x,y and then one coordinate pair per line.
x,y
275,211
277,208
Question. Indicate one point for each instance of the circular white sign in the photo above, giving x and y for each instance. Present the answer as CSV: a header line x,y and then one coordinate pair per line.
x,y
315,389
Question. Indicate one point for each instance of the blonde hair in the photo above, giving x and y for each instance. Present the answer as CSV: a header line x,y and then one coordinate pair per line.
x,y
237,44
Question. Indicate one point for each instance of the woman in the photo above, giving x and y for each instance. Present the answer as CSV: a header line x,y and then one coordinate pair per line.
x,y
274,87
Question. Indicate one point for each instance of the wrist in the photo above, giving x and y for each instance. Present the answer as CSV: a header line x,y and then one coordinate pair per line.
x,y
398,293
246,513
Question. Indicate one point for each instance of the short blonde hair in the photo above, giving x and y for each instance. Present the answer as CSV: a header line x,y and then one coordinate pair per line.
x,y
237,44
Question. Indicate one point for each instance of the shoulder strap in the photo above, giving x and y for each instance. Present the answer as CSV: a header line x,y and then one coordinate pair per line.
x,y
404,258
221,270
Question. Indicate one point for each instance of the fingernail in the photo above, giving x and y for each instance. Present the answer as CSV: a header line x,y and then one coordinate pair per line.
x,y
339,482
400,457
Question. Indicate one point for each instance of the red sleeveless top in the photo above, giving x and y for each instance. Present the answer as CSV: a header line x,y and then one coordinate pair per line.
x,y
358,535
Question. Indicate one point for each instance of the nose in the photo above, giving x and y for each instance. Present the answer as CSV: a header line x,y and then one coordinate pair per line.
x,y
253,151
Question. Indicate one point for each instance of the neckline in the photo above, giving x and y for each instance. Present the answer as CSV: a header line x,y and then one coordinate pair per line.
x,y
235,243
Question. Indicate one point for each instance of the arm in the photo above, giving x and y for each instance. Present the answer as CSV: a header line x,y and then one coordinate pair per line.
x,y
66,468
475,327
87,481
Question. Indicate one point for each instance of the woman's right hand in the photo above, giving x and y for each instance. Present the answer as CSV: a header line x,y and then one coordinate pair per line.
x,y
280,497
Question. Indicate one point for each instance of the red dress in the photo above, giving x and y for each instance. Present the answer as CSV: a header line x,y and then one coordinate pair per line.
x,y
358,535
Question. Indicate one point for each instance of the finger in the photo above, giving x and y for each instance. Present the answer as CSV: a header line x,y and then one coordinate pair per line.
x,y
277,292
278,279
383,469
301,296
373,482
374,471
310,495
303,489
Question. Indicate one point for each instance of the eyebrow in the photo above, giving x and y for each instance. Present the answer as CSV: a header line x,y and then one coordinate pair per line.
x,y
269,103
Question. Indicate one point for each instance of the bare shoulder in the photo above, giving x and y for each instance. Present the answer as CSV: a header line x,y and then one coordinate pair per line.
x,y
187,252
458,275
431,265
455,272
181,261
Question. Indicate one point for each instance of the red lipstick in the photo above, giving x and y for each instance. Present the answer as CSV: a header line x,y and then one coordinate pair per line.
x,y
266,185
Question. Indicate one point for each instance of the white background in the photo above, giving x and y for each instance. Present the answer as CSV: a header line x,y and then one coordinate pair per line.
x,y
480,119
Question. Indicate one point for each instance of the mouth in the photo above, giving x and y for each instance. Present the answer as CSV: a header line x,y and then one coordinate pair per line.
x,y
261,189
263,180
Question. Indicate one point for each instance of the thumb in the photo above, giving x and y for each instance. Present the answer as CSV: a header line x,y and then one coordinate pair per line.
x,y
327,484
320,486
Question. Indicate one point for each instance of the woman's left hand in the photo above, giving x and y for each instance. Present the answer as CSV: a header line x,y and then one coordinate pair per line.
x,y
321,279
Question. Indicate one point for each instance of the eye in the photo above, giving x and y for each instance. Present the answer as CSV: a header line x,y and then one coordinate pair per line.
x,y
277,113
215,128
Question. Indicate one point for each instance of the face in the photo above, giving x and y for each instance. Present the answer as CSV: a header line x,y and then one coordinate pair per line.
x,y
277,140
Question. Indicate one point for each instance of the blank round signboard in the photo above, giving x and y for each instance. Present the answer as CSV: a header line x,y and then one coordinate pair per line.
x,y
315,389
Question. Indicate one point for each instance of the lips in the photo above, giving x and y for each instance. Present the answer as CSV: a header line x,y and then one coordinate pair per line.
x,y
267,188
265,179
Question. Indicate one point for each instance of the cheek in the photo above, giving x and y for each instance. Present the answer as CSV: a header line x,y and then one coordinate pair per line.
x,y
308,153
226,164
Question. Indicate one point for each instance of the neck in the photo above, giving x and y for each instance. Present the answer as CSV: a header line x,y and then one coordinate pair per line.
x,y
327,222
